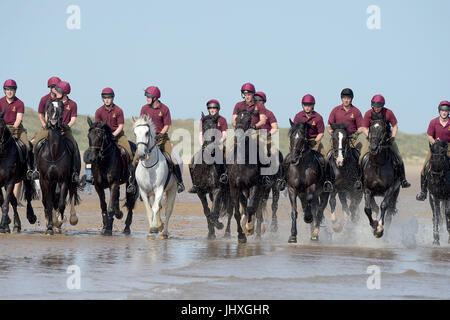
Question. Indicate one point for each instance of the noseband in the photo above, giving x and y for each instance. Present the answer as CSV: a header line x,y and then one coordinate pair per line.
x,y
149,149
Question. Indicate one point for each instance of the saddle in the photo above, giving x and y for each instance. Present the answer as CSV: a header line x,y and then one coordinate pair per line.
x,y
67,142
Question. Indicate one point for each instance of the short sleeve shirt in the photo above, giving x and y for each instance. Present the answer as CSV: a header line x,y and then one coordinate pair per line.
x,y
270,119
437,131
70,111
315,121
43,103
257,107
114,116
352,118
221,124
11,109
160,115
388,115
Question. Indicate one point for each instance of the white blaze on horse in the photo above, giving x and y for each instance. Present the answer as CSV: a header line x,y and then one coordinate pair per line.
x,y
153,176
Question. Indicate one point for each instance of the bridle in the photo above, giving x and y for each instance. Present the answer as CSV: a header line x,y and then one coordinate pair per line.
x,y
383,139
441,157
101,147
344,148
146,144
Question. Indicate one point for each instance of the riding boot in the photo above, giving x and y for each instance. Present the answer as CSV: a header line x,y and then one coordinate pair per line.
x,y
76,167
177,171
131,176
405,183
358,183
194,188
423,188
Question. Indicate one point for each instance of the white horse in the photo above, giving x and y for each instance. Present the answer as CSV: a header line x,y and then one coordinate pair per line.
x,y
152,176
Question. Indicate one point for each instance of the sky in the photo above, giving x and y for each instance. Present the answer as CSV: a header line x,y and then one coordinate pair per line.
x,y
198,50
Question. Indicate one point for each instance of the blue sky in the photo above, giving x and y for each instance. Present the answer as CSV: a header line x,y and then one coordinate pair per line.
x,y
197,50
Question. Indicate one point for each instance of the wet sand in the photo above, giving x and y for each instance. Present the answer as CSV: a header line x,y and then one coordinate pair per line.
x,y
188,266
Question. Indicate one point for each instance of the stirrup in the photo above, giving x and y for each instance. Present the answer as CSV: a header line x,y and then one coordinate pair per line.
x,y
32,174
180,187
266,180
406,184
131,188
327,186
281,184
223,178
194,189
75,177
357,185
421,196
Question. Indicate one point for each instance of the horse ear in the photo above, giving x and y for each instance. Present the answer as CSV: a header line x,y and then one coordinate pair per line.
x,y
133,118
89,121
203,115
145,118
291,123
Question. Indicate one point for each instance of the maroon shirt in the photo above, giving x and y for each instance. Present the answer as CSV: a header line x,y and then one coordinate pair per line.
x,y
113,116
436,130
70,110
270,119
43,103
353,117
257,106
388,114
160,116
12,109
221,124
315,120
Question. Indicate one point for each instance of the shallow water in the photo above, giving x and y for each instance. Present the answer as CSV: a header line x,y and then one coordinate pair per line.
x,y
188,266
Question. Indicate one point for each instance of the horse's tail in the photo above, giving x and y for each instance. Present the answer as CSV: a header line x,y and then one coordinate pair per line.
x,y
131,199
30,192
226,199
74,188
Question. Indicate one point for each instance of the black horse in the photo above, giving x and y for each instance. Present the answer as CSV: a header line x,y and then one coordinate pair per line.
x,y
205,176
305,178
380,177
109,170
438,177
244,176
54,161
344,163
13,169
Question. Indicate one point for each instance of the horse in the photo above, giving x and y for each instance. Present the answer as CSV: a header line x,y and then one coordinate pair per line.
x,y
438,177
305,178
205,176
244,176
380,177
153,176
13,169
54,161
344,163
109,170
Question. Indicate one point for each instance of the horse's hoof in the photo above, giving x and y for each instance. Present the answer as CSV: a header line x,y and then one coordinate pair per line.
x,y
32,219
154,230
242,239
227,235
292,239
119,215
107,232
315,238
378,234
16,230
49,232
73,220
164,236
218,225
126,231
436,243
337,227
211,236
161,227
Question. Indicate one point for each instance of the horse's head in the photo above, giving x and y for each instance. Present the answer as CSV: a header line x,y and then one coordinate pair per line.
x,y
5,134
339,141
99,136
244,119
299,139
55,112
438,158
145,133
209,122
378,132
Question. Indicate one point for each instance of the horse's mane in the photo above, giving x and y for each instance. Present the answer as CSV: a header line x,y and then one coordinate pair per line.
x,y
107,129
210,117
298,127
439,145
145,121
377,116
339,126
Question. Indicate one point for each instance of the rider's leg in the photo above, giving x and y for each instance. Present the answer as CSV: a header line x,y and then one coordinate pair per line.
x,y
356,144
41,135
423,179
194,188
167,147
394,148
122,141
318,146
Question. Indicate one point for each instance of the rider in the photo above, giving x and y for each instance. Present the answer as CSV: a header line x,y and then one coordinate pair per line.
x,y
439,129
378,107
213,106
159,113
62,89
113,115
316,131
271,126
14,110
51,83
350,115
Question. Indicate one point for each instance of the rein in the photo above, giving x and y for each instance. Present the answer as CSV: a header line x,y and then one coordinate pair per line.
x,y
101,148
149,149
